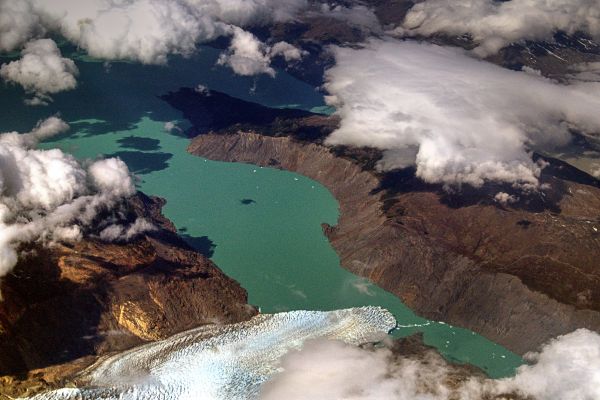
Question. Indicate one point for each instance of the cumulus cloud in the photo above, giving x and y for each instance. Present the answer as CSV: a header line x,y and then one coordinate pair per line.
x,y
18,23
140,30
494,24
505,198
287,51
457,119
111,175
41,69
568,368
48,196
148,31
249,56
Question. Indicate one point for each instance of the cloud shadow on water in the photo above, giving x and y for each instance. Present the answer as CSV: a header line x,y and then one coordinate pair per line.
x,y
142,163
139,143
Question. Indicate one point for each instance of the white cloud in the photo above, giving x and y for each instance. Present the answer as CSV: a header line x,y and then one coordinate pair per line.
x,y
458,119
287,51
245,13
47,195
38,100
495,24
505,198
18,23
568,368
221,362
148,31
41,69
117,232
140,30
43,130
249,56
585,72
111,175
332,370
356,15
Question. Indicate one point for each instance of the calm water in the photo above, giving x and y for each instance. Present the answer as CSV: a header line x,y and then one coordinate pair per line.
x,y
261,226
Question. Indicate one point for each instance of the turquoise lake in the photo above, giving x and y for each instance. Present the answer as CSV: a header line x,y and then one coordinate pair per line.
x,y
261,226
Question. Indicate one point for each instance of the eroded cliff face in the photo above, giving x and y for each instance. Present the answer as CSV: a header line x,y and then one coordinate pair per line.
x,y
518,276
64,306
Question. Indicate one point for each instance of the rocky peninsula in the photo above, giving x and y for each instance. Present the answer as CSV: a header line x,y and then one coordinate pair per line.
x,y
518,273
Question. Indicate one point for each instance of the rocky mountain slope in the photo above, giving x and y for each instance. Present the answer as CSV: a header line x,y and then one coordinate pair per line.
x,y
519,273
64,306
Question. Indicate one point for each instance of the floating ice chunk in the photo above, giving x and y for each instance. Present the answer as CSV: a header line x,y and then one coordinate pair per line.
x,y
414,325
228,362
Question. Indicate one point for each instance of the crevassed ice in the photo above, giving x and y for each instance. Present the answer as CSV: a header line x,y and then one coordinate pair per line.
x,y
228,362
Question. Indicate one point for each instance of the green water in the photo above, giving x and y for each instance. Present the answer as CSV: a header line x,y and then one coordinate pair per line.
x,y
261,226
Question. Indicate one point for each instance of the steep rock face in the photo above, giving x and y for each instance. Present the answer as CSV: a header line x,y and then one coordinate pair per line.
x,y
516,276
90,298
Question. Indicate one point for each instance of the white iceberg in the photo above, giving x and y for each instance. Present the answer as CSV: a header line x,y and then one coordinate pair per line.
x,y
228,362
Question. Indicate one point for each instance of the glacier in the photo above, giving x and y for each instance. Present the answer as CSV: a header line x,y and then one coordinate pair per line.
x,y
220,362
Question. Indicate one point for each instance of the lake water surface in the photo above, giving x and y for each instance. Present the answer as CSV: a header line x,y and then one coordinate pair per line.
x,y
261,226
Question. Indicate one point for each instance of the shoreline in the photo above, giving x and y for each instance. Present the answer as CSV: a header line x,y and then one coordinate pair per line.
x,y
429,278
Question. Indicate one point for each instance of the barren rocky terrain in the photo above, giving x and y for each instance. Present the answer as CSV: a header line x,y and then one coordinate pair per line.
x,y
518,273
64,306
